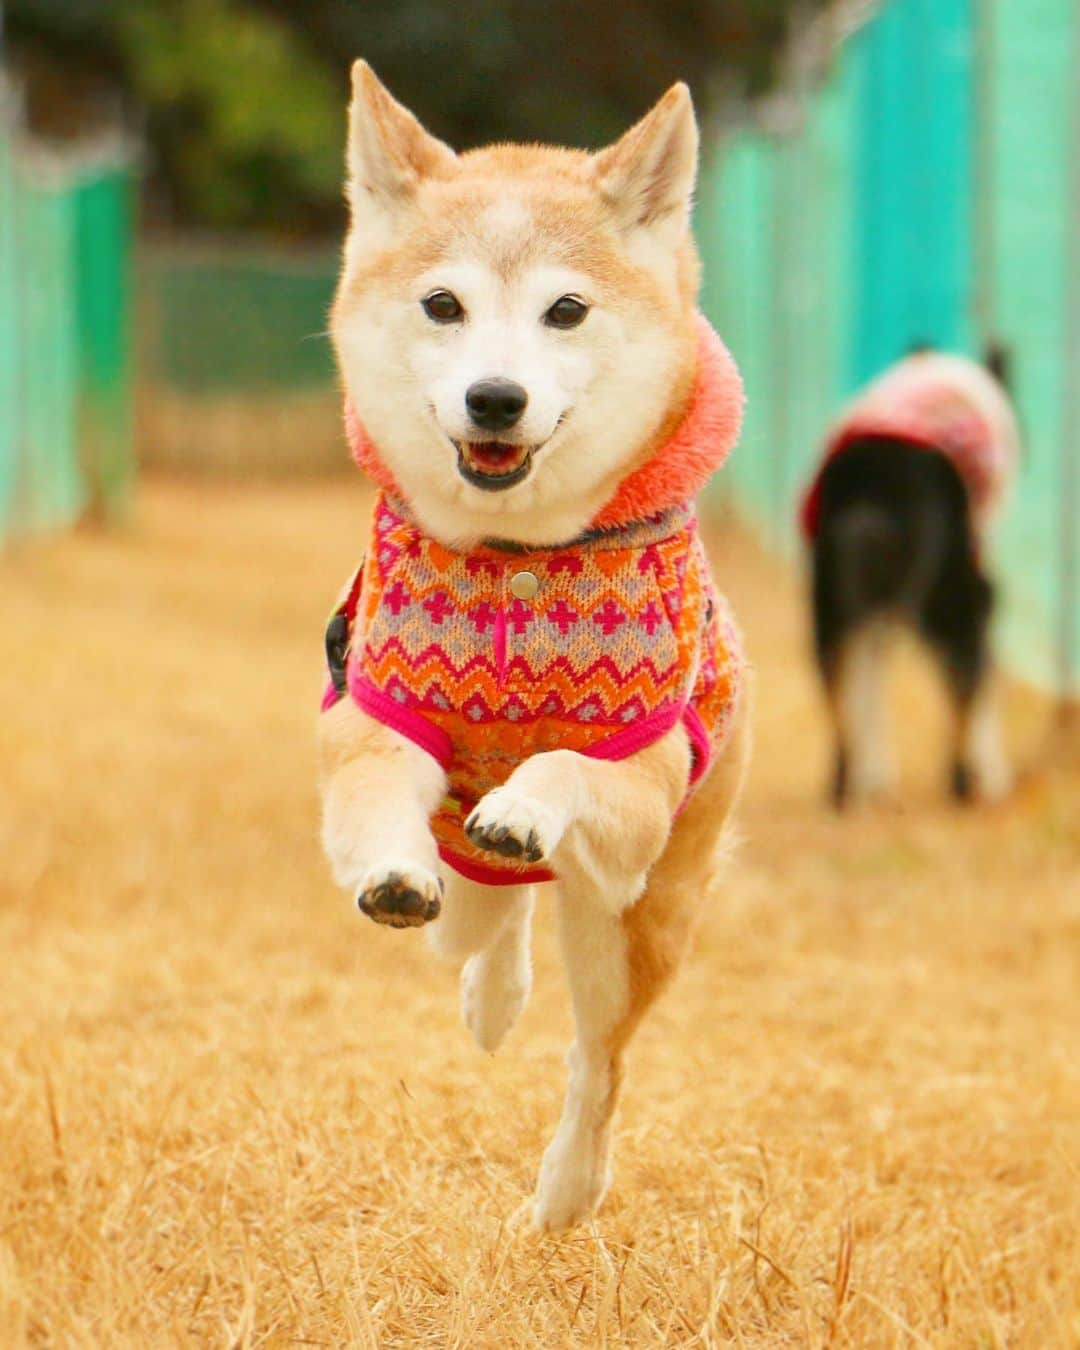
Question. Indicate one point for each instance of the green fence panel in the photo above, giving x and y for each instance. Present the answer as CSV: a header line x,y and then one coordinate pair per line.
x,y
103,276
915,167
736,198
8,323
222,323
814,294
1028,92
932,194
774,227
66,231
50,487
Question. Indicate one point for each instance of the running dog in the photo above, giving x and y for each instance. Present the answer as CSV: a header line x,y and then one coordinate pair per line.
x,y
532,675
895,518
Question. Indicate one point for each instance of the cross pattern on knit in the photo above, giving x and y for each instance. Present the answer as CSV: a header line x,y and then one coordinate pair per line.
x,y
624,636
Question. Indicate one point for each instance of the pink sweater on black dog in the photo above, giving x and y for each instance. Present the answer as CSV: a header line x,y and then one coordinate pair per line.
x,y
933,401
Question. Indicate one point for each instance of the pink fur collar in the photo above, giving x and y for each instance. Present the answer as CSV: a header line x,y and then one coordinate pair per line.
x,y
674,474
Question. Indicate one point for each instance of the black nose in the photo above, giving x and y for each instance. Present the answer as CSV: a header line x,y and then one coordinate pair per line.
x,y
495,404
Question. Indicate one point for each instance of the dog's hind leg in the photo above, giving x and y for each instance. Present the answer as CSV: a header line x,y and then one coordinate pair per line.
x,y
619,957
864,764
575,1171
856,571
829,667
957,623
980,764
496,982
830,623
849,642
489,927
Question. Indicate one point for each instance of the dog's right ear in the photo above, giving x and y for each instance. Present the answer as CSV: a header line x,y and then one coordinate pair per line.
x,y
389,152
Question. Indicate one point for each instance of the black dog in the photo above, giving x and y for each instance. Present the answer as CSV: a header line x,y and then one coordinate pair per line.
x,y
894,543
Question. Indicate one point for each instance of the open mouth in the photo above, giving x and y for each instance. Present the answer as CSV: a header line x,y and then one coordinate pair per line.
x,y
493,465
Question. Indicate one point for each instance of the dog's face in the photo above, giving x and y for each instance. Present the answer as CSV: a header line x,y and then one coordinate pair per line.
x,y
515,326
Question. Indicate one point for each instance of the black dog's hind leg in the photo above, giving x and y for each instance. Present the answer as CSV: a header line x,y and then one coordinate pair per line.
x,y
850,643
828,642
956,622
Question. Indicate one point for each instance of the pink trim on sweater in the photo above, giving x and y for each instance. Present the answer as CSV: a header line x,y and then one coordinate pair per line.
x,y
700,745
412,725
678,469
616,747
637,735
493,876
415,727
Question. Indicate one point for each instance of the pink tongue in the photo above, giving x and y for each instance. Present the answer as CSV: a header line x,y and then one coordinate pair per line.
x,y
493,454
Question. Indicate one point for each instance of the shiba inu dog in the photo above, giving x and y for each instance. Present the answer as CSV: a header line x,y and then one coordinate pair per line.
x,y
895,517
532,676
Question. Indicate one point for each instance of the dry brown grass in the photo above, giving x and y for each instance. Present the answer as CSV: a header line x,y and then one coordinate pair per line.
x,y
262,435
234,1113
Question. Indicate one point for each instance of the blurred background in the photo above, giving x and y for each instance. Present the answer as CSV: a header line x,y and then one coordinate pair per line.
x,y
875,175
232,1112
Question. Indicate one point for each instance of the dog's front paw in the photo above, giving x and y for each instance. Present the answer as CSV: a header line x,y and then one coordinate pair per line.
x,y
514,826
403,896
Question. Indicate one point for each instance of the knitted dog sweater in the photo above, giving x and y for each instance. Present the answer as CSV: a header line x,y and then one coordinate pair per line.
x,y
933,401
484,658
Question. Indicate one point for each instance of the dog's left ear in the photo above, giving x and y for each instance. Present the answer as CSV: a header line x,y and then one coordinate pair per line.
x,y
647,176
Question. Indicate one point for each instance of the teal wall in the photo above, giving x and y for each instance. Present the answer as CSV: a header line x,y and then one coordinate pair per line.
x,y
1031,84
914,166
924,197
774,222
65,389
48,484
8,329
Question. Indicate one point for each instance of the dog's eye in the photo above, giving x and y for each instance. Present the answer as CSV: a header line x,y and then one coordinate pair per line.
x,y
567,312
443,307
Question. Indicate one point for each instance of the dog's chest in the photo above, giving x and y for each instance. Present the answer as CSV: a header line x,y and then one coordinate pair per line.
x,y
596,635
487,658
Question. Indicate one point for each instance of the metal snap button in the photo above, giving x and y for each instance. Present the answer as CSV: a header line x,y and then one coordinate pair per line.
x,y
524,585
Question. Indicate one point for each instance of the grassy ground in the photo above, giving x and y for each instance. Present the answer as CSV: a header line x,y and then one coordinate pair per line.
x,y
232,1112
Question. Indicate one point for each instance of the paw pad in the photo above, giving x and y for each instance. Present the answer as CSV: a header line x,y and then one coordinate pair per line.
x,y
401,901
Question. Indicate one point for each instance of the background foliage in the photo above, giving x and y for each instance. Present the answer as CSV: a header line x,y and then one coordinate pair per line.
x,y
241,100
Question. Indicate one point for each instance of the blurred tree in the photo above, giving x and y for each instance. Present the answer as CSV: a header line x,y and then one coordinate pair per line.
x,y
241,100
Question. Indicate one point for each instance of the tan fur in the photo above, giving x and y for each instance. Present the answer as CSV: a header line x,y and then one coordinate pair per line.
x,y
634,873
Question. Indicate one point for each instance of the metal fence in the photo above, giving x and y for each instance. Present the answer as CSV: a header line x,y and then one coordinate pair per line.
x,y
237,318
236,373
931,193
65,346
